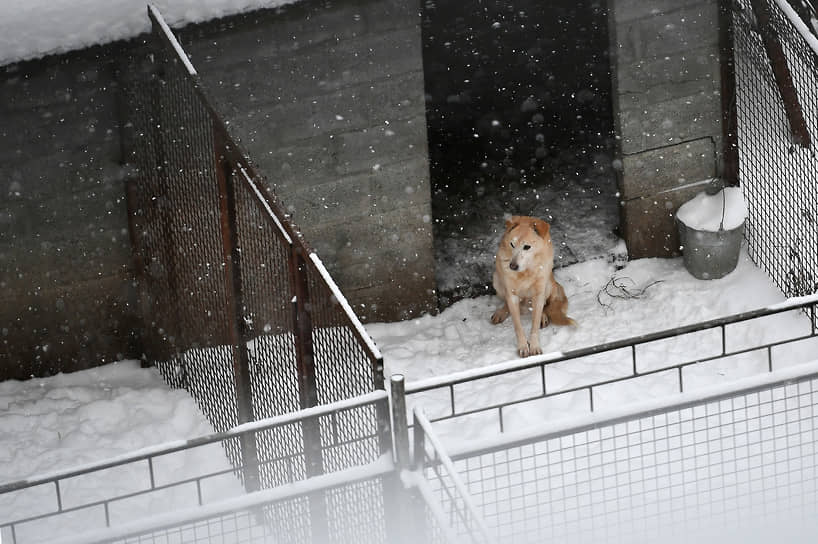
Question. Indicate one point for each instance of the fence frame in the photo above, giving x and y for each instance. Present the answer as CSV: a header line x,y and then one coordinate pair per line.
x,y
234,171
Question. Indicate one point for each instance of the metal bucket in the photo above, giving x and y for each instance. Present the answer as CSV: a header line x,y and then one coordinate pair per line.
x,y
710,255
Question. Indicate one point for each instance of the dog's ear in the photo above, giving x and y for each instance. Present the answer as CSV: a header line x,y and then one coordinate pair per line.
x,y
511,223
541,228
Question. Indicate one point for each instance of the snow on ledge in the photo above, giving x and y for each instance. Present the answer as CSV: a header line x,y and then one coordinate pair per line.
x,y
36,28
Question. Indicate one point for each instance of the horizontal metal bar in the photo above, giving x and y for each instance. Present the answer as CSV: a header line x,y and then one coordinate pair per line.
x,y
369,399
376,469
788,376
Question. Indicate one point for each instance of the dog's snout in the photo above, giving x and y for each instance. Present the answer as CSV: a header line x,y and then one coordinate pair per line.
x,y
513,265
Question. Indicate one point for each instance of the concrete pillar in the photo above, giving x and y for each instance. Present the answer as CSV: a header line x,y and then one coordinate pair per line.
x,y
667,110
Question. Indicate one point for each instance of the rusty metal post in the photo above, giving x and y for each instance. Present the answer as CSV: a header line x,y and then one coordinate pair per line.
x,y
308,387
729,167
781,72
236,326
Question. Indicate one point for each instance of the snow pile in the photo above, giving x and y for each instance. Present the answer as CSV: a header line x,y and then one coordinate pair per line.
x,y
35,28
71,420
704,212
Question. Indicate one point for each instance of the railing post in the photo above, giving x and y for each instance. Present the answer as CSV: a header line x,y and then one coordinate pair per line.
x,y
729,164
400,426
308,387
405,514
236,326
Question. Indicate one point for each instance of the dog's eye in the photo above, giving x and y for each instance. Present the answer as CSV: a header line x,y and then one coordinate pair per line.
x,y
526,247
511,244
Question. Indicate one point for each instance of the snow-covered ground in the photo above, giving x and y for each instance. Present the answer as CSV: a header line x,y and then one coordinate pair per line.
x,y
59,422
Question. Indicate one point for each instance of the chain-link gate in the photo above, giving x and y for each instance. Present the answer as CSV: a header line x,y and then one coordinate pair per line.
x,y
777,118
238,309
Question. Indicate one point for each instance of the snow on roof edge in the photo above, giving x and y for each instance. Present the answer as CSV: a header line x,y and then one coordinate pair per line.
x,y
42,28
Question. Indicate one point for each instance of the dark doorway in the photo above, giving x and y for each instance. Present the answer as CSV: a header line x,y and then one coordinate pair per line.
x,y
518,99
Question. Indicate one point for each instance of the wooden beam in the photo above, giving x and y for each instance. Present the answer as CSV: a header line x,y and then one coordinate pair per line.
x,y
781,71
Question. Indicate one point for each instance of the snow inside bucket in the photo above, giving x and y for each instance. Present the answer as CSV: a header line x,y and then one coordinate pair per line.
x,y
704,212
711,228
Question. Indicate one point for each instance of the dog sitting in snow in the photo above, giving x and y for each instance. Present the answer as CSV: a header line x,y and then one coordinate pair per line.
x,y
523,274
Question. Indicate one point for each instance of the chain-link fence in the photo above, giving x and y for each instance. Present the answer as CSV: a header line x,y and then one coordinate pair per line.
x,y
238,309
777,134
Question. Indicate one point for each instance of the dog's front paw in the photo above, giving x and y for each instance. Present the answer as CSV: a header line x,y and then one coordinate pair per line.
x,y
499,316
534,349
522,350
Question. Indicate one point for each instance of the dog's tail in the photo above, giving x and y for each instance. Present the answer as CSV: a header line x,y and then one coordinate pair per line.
x,y
557,305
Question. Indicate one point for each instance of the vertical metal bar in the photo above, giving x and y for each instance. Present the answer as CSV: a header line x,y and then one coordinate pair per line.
x,y
305,358
417,507
59,497
419,446
382,412
150,472
400,425
729,168
398,502
770,358
723,339
236,326
308,388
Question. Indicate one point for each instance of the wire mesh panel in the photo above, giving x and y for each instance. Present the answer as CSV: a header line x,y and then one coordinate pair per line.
x,y
737,468
449,510
778,176
240,313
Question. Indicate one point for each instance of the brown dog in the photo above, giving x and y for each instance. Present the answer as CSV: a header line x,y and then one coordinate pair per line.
x,y
523,273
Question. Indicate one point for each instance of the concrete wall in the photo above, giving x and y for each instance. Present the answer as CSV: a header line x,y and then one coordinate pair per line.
x,y
328,100
667,104
65,282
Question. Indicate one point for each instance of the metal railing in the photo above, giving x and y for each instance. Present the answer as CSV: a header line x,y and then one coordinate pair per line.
x,y
736,465
679,354
751,449
777,162
184,477
242,312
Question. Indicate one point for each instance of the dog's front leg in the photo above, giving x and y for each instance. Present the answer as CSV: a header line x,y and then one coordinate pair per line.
x,y
536,320
513,304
